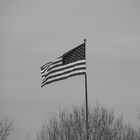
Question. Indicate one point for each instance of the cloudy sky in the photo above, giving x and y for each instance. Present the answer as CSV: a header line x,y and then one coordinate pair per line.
x,y
34,32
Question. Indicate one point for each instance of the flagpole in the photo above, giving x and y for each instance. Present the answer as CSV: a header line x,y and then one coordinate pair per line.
x,y
86,101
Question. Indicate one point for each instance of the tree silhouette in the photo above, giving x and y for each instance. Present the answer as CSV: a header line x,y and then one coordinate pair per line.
x,y
72,126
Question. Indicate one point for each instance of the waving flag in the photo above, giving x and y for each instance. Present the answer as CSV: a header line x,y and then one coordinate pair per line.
x,y
71,63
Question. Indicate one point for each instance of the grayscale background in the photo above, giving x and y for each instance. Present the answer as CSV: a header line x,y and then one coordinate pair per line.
x,y
33,32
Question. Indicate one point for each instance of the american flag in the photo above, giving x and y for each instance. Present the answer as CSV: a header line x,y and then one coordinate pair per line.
x,y
71,63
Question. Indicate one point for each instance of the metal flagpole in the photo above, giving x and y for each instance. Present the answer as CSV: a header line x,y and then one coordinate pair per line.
x,y
86,101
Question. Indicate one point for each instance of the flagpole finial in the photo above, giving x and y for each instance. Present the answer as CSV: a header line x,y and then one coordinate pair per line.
x,y
84,40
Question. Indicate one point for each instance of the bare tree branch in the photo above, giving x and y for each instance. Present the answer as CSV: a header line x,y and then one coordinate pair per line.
x,y
5,128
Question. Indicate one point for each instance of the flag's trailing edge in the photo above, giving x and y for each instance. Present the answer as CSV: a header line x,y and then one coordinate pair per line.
x,y
71,63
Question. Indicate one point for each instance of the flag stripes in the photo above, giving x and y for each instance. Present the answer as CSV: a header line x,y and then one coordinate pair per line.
x,y
64,77
61,68
51,65
63,73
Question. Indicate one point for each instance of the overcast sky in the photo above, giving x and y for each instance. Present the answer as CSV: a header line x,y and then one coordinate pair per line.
x,y
35,32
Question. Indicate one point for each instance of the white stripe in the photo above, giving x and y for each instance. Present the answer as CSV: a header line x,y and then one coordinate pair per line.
x,y
66,75
57,59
